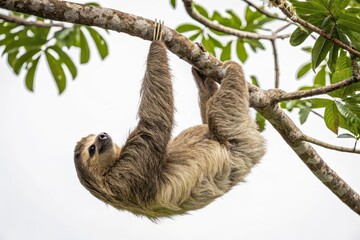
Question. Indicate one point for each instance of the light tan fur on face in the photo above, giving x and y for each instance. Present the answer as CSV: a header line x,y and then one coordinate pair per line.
x,y
156,176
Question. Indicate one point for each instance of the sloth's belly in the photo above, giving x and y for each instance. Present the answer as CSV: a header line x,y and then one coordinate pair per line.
x,y
198,170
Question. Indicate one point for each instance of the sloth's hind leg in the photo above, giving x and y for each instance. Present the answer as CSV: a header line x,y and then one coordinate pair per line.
x,y
231,124
228,109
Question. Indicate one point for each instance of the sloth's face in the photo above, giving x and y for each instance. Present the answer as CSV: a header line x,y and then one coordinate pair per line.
x,y
95,153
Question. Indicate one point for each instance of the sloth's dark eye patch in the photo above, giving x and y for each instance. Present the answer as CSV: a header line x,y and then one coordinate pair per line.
x,y
92,150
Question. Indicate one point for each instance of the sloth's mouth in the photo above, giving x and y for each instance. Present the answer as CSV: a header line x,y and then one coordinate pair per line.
x,y
105,146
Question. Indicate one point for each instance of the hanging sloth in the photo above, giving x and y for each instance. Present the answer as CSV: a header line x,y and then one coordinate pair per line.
x,y
156,176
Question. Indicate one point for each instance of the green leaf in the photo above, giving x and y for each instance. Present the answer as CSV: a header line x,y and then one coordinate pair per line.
x,y
93,4
346,135
64,58
290,105
195,36
84,49
64,33
217,16
307,49
353,10
251,16
354,38
201,10
254,44
320,102
57,71
299,36
337,77
24,58
254,80
306,88
226,53
352,99
24,42
29,78
331,117
304,113
173,3
260,121
235,18
339,4
304,69
215,42
99,42
343,61
309,7
12,58
319,51
333,57
341,75
348,21
187,27
208,45
241,51
351,117
320,77
5,30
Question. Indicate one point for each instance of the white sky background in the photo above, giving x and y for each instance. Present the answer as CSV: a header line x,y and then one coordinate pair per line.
x,y
41,197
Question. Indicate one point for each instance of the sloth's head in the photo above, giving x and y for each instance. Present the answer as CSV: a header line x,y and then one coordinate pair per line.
x,y
93,156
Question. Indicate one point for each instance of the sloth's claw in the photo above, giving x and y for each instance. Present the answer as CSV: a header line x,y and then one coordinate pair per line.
x,y
157,35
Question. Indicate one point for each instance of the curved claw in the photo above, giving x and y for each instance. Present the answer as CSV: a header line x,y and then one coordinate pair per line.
x,y
157,35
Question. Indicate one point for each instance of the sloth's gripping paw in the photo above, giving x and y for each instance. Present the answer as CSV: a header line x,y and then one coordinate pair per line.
x,y
207,86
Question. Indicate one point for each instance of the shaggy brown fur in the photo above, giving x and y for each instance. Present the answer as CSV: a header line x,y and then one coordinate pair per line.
x,y
156,176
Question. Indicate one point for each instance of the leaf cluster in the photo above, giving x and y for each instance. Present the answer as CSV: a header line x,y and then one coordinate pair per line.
x,y
338,18
221,43
25,45
341,108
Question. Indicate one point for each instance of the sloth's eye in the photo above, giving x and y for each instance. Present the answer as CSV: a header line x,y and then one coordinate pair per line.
x,y
92,149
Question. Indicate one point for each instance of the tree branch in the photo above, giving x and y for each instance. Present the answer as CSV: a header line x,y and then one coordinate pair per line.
x,y
276,63
266,13
286,9
329,146
283,96
143,28
25,22
235,32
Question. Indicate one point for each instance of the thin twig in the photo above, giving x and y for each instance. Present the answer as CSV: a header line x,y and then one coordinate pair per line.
x,y
266,13
276,63
235,32
330,146
282,28
22,21
317,114
283,96
287,10
355,65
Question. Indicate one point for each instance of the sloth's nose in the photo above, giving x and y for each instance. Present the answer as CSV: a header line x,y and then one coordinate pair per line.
x,y
103,136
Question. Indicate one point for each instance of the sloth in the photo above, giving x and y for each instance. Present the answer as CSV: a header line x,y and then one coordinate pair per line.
x,y
156,176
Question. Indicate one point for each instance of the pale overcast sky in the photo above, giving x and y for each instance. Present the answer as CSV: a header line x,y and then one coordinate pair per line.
x,y
41,197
